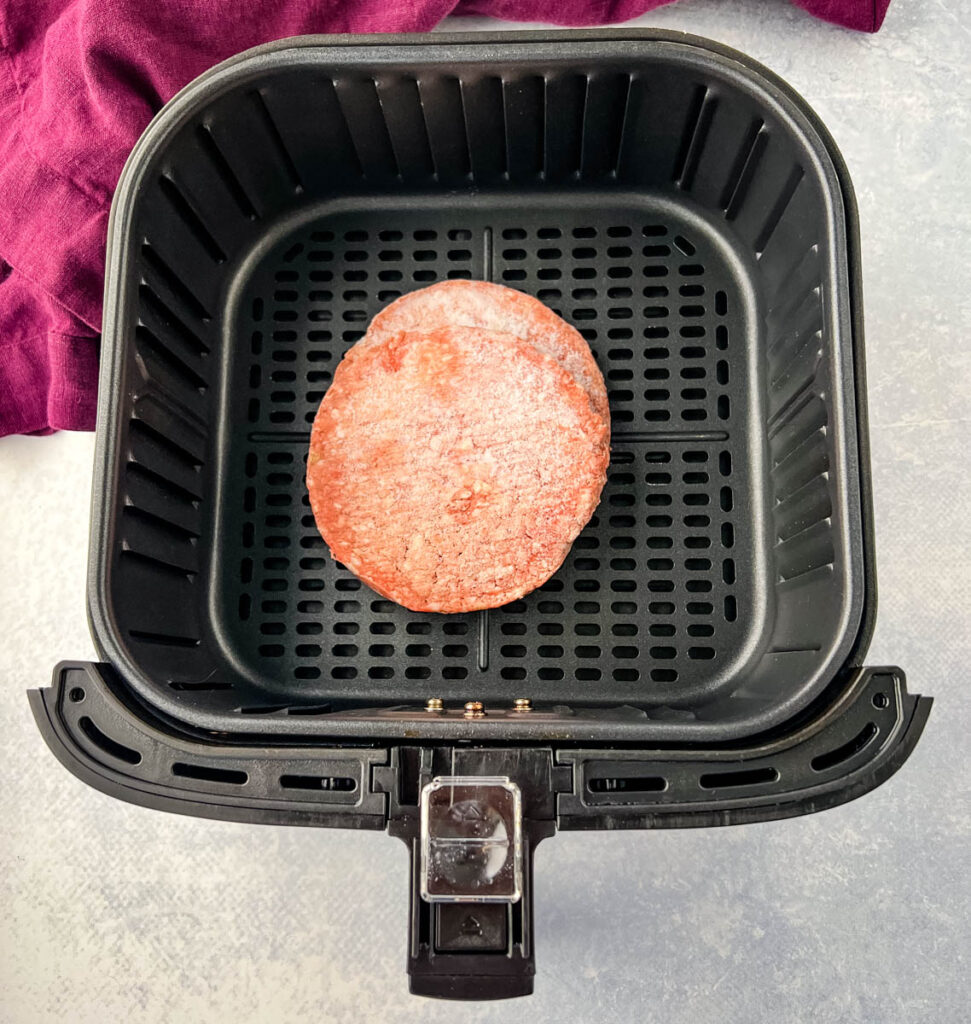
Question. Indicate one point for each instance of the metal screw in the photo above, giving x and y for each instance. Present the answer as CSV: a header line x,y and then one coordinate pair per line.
x,y
434,704
522,704
474,709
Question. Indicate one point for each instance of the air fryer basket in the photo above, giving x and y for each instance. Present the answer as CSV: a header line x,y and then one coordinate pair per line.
x,y
685,216
689,215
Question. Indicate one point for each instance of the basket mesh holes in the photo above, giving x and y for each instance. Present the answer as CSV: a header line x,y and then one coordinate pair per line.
x,y
695,404
654,571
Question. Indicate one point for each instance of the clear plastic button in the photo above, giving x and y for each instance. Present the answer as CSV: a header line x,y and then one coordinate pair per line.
x,y
471,840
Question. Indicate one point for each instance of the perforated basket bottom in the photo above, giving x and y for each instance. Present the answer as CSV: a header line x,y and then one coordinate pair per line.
x,y
658,602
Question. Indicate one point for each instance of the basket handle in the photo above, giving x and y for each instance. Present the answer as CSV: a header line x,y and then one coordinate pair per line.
x,y
472,951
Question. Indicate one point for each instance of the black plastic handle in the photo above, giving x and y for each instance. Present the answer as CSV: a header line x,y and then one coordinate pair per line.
x,y
837,752
842,750
473,950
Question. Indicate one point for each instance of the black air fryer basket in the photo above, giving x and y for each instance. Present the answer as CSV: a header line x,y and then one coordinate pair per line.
x,y
697,659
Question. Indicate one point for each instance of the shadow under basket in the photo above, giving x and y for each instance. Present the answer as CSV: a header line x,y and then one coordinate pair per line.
x,y
695,661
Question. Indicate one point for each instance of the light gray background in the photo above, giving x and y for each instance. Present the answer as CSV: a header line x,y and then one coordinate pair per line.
x,y
858,914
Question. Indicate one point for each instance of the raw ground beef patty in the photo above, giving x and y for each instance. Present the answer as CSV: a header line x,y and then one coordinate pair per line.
x,y
496,308
452,469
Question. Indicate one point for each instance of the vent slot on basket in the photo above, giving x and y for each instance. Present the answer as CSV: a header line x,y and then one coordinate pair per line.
x,y
740,777
209,773
107,744
849,749
633,784
330,783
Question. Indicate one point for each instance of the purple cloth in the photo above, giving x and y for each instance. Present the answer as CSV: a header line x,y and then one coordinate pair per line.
x,y
80,80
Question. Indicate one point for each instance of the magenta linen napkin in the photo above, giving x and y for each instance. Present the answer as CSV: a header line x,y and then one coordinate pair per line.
x,y
80,80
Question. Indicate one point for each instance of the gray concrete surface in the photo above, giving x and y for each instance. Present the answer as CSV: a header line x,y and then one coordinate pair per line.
x,y
859,914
